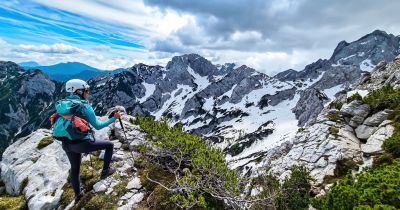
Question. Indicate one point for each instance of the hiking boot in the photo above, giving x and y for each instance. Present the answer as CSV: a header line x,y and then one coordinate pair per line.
x,y
106,173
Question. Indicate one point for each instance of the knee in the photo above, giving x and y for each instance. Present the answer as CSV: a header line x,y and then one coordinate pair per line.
x,y
110,145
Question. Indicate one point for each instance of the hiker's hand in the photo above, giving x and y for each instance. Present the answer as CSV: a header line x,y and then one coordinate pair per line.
x,y
117,115
111,114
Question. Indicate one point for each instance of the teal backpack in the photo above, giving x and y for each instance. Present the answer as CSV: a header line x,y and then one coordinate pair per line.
x,y
68,122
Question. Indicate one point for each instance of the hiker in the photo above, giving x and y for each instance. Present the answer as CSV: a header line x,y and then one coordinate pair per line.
x,y
70,126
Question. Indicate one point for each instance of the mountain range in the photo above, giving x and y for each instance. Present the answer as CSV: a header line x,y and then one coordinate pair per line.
x,y
65,71
357,130
239,109
260,122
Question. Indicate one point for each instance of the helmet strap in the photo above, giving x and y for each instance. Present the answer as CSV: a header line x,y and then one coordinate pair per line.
x,y
80,93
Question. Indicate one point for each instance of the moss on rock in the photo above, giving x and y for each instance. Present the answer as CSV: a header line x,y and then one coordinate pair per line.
x,y
45,142
12,203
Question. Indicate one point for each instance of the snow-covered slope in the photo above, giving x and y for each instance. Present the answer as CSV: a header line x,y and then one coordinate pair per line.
x,y
240,110
357,136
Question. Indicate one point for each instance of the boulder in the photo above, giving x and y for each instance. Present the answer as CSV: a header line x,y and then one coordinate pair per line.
x,y
100,186
377,118
39,174
364,131
134,184
375,141
355,121
355,108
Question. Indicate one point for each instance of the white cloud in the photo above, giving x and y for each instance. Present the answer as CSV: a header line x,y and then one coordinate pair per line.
x,y
58,48
246,36
130,13
60,52
268,35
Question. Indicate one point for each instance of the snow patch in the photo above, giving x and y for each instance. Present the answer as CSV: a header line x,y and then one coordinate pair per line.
x,y
150,88
229,92
330,92
362,93
366,65
202,82
286,128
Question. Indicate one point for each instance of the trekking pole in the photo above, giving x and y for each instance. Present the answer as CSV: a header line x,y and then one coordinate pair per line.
x,y
90,160
126,139
123,129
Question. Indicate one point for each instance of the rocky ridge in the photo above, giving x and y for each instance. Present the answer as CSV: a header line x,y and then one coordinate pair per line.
x,y
238,108
349,132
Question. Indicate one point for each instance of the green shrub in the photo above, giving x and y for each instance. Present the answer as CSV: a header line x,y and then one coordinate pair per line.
x,y
12,203
385,158
370,187
293,193
197,170
89,172
68,194
343,166
376,207
392,144
181,170
125,147
296,189
333,117
385,97
354,97
101,201
336,104
334,131
120,189
300,130
45,142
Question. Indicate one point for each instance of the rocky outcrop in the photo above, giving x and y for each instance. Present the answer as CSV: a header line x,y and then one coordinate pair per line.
x,y
374,142
351,133
25,100
367,51
39,174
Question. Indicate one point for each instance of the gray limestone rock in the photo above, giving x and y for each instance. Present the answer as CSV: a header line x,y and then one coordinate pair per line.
x,y
355,108
364,131
377,118
375,141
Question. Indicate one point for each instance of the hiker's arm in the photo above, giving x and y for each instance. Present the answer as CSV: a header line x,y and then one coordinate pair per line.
x,y
91,118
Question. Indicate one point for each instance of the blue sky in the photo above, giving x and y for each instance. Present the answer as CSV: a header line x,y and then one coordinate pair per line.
x,y
269,35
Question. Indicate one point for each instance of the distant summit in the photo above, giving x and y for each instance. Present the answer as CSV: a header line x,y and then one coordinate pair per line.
x,y
68,68
65,71
30,64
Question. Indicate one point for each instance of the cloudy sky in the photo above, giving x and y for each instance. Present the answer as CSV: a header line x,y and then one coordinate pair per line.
x,y
269,35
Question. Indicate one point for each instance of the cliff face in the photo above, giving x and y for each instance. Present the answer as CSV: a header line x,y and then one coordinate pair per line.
x,y
346,130
26,99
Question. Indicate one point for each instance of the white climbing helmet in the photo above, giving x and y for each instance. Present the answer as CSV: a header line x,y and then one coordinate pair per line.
x,y
76,84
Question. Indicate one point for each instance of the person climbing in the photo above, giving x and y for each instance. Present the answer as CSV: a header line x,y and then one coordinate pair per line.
x,y
70,126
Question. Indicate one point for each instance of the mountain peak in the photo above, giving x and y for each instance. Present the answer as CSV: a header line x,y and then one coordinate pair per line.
x,y
198,63
367,51
29,64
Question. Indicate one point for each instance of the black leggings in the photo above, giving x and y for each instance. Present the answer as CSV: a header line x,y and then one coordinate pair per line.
x,y
74,152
